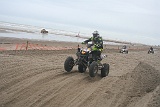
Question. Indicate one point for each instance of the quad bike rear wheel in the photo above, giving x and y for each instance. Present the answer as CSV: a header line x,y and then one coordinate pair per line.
x,y
126,52
81,68
93,69
68,64
105,70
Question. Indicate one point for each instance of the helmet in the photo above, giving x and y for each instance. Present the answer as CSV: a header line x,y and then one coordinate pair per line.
x,y
95,33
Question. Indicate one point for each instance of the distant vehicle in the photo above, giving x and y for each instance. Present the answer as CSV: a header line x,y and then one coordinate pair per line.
x,y
151,51
124,49
44,31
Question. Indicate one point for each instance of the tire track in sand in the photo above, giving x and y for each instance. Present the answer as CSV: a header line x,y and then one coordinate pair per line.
x,y
33,90
76,89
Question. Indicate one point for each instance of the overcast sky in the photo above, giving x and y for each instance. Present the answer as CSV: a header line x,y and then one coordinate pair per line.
x,y
127,20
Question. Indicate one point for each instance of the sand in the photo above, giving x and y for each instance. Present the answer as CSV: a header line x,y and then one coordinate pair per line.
x,y
36,78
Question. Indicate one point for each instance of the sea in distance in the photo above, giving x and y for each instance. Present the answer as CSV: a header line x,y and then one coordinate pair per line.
x,y
15,30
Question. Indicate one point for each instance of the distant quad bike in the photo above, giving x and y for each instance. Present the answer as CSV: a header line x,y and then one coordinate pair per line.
x,y
84,60
151,51
124,49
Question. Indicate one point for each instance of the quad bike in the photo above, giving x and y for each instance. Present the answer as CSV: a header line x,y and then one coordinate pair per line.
x,y
124,51
151,51
85,60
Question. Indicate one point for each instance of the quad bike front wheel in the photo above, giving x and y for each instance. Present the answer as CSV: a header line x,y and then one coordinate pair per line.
x,y
105,70
93,69
68,64
81,68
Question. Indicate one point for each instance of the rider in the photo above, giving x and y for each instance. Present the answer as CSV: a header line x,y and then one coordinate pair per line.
x,y
97,44
151,48
124,47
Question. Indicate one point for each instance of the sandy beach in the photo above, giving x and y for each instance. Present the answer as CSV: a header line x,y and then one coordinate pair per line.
x,y
36,77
